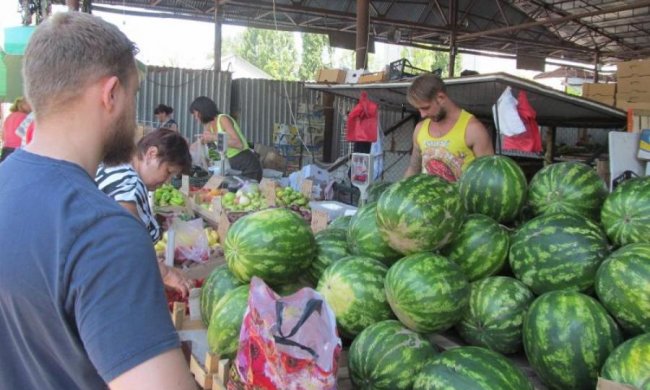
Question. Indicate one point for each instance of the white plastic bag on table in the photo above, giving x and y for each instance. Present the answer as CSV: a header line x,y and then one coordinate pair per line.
x,y
286,343
191,242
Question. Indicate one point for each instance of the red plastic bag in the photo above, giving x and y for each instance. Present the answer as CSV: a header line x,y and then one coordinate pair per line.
x,y
362,121
286,342
530,140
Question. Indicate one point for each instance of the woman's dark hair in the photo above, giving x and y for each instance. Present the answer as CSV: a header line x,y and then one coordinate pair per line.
x,y
163,108
172,148
206,108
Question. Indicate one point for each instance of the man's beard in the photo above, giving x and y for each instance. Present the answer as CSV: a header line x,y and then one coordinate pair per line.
x,y
120,146
440,116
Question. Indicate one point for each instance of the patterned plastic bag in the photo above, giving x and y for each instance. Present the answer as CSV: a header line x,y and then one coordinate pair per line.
x,y
286,343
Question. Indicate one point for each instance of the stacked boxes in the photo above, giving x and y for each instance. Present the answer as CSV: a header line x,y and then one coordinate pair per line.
x,y
603,93
633,90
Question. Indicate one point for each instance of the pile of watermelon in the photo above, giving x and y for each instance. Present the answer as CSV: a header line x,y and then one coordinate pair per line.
x,y
556,270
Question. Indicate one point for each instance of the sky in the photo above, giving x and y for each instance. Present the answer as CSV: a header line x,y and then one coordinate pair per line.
x,y
189,44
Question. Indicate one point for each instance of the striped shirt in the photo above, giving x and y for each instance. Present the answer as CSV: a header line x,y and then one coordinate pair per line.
x,y
123,184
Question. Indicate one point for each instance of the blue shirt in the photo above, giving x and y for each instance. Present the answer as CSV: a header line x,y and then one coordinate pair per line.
x,y
81,298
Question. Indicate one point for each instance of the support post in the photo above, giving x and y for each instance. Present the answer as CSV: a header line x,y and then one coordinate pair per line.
x,y
549,157
217,37
363,16
331,135
596,61
453,16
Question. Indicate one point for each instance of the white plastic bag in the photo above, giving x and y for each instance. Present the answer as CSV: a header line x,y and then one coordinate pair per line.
x,y
191,243
506,117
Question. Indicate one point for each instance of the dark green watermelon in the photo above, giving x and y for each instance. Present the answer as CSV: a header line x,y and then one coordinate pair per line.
x,y
331,246
558,251
567,337
623,287
427,292
388,356
342,222
480,248
225,323
276,245
626,212
364,238
630,363
420,213
567,187
495,314
218,283
376,189
354,289
494,186
471,368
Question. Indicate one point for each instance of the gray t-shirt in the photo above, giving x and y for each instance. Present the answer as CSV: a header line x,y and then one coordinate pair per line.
x,y
81,298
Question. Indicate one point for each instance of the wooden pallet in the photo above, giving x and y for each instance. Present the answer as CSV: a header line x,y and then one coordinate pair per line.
x,y
212,374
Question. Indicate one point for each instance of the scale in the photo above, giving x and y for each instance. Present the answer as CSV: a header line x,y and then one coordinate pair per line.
x,y
361,174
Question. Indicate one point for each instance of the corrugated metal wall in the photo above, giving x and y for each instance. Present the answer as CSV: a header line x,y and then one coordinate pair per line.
x,y
258,104
177,88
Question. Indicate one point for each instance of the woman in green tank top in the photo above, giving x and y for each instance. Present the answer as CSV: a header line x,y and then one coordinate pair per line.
x,y
240,156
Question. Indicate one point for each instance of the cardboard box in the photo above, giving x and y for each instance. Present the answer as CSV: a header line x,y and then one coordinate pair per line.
x,y
633,68
591,89
633,84
334,76
372,78
624,105
634,97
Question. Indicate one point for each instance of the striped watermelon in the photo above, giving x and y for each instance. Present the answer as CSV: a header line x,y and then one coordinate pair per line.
x,y
364,238
494,186
495,314
623,287
567,187
427,292
341,222
630,363
420,213
558,251
471,368
480,248
331,246
218,283
225,323
626,212
354,289
275,244
387,356
376,189
567,337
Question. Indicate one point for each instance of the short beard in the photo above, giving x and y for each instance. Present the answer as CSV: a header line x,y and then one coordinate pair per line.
x,y
440,116
120,146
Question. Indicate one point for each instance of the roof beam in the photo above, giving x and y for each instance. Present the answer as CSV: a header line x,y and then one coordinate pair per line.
x,y
523,26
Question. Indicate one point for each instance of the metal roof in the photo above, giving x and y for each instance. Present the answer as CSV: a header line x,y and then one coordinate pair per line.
x,y
579,30
478,93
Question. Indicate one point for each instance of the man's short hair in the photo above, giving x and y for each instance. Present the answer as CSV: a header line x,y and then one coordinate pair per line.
x,y
69,51
424,88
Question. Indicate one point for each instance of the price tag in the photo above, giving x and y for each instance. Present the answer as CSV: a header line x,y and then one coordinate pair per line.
x,y
319,220
268,191
306,187
185,185
214,182
217,206
224,225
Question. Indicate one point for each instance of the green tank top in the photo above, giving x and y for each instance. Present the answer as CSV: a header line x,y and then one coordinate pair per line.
x,y
231,152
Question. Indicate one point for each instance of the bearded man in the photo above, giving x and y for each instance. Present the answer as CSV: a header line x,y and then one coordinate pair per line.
x,y
448,138
82,304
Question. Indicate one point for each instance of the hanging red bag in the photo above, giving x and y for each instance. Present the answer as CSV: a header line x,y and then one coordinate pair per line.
x,y
362,121
530,140
286,343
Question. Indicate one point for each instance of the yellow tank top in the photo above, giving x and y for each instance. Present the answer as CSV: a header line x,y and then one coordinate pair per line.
x,y
446,156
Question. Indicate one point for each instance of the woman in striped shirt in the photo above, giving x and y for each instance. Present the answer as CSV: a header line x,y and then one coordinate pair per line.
x,y
161,154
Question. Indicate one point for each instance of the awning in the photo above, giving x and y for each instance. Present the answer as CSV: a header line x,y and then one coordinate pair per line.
x,y
477,94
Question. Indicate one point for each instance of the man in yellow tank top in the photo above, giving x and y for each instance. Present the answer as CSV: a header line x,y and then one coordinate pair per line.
x,y
448,138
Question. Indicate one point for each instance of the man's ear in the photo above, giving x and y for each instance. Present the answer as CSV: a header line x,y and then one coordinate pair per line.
x,y
152,152
109,92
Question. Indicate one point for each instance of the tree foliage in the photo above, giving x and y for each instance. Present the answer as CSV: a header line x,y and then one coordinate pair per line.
x,y
431,60
272,51
313,46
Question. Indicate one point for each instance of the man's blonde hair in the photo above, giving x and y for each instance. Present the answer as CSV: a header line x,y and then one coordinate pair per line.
x,y
69,51
424,88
